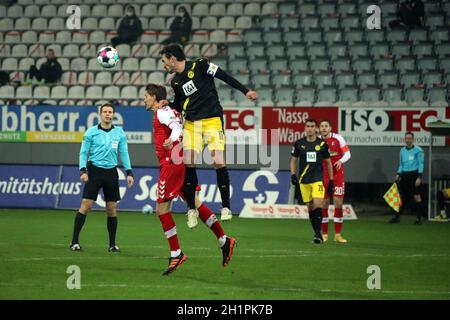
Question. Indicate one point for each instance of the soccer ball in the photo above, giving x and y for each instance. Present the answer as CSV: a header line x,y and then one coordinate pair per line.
x,y
147,209
108,57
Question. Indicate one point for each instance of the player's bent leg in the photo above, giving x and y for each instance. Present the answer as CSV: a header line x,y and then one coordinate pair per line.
x,y
80,219
111,224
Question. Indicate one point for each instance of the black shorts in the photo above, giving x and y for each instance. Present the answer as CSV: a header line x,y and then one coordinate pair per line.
x,y
407,185
106,179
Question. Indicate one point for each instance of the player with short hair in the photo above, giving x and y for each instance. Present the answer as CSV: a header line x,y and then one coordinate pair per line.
x,y
409,178
167,134
310,152
339,154
196,96
102,144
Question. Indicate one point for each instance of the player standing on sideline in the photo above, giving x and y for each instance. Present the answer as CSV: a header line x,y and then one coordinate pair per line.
x,y
409,178
196,96
167,133
102,145
339,154
312,151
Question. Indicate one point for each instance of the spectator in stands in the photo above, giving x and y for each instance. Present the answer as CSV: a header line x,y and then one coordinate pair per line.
x,y
4,78
181,28
50,71
130,28
410,14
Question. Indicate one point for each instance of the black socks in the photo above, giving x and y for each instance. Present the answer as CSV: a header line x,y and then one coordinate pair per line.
x,y
315,217
223,182
78,225
190,184
112,229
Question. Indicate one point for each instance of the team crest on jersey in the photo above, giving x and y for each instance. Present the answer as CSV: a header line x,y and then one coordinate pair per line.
x,y
317,148
191,74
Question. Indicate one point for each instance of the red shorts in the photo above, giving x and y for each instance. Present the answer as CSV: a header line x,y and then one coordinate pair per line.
x,y
170,182
339,186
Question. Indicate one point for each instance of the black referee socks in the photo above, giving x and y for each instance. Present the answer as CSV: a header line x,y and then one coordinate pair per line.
x,y
112,229
190,184
78,225
223,182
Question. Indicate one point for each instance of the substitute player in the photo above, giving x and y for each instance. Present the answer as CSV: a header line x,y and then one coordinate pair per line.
x,y
311,151
102,145
196,96
339,154
167,133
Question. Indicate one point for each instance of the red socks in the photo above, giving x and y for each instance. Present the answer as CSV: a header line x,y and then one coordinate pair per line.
x,y
338,220
209,218
170,230
324,221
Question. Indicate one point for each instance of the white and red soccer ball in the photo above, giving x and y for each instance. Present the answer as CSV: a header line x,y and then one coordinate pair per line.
x,y
108,57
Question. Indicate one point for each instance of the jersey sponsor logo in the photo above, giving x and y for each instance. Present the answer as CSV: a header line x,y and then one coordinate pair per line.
x,y
191,74
311,156
212,69
189,88
317,148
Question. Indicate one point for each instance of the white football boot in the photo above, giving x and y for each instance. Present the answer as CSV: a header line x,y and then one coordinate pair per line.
x,y
226,215
192,216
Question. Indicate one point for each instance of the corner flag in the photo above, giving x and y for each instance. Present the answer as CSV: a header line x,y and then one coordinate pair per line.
x,y
392,197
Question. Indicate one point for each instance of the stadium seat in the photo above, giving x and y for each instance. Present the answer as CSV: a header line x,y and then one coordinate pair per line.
x,y
440,35
111,92
383,65
149,10
306,9
296,51
236,50
326,96
345,79
115,10
200,36
298,65
16,11
443,50
285,8
323,79
124,50
270,22
243,78
388,79
121,78
427,63
289,23
243,22
22,24
389,7
330,23
99,10
47,37
337,50
25,64
238,65
319,65
218,36
358,50
103,78
58,92
88,50
305,97
47,11
350,22
354,36
138,78
434,21
106,24
209,23
437,97
78,64
379,49
418,35
156,77
41,92
192,50
374,36
362,65
303,79
234,9
432,78
97,37
7,92
260,80
366,79
130,64
17,76
401,49
12,37
313,36
6,24
256,51
89,24
310,22
217,9
269,8
129,93
80,37
285,96
252,36
226,22
393,96
200,9
347,96
371,95
445,65
69,78
341,65
258,65
278,65
64,37
19,50
5,50
272,37
396,35
281,80
409,79
422,49
76,92
415,97
154,50
23,92
71,50
316,51
292,37
275,51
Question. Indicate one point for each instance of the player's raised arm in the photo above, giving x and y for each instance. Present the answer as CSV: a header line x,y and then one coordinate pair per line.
x,y
214,71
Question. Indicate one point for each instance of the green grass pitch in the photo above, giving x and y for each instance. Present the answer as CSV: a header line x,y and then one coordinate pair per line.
x,y
274,259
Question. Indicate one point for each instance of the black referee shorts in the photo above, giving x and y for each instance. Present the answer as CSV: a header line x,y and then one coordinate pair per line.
x,y
407,185
99,178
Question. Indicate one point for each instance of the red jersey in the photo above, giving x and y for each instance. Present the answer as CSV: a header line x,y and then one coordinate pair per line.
x,y
339,150
162,121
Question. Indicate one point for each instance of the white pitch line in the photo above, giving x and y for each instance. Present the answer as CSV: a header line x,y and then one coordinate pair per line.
x,y
277,289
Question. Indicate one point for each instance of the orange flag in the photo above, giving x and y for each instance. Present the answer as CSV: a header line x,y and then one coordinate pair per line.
x,y
392,197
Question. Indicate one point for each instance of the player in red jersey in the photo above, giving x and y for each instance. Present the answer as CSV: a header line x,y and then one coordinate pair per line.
x,y
339,154
167,134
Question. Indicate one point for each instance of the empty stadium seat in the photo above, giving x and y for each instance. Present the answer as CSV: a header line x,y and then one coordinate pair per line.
x,y
415,97
437,97
345,80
